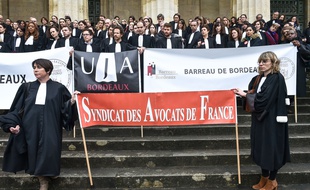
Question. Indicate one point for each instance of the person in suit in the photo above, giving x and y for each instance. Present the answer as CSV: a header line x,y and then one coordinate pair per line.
x,y
219,35
54,36
175,22
18,41
33,40
88,44
140,39
251,38
118,44
206,41
109,40
234,38
5,37
68,40
160,19
194,37
169,40
100,27
181,30
76,32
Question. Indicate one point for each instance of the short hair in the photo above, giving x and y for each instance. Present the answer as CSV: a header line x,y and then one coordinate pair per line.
x,y
160,16
45,63
274,61
167,24
121,30
206,26
91,32
67,17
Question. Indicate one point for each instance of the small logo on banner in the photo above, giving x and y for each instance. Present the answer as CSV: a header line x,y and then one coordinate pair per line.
x,y
287,67
151,69
60,72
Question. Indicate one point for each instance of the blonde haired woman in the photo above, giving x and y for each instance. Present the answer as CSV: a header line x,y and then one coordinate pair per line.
x,y
269,127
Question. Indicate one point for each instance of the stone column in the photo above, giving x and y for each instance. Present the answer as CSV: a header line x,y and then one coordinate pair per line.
x,y
76,9
153,7
251,8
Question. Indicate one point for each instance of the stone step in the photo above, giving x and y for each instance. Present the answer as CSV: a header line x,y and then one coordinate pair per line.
x,y
167,142
294,128
162,177
168,158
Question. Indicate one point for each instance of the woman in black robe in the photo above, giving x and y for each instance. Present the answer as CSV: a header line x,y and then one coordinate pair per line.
x,y
269,127
36,135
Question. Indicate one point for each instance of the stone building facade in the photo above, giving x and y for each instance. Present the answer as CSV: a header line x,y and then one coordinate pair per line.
x,y
91,9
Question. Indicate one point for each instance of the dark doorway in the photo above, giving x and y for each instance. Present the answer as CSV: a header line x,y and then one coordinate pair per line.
x,y
93,11
290,8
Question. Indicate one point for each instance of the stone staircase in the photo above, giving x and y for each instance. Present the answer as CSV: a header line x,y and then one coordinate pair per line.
x,y
183,157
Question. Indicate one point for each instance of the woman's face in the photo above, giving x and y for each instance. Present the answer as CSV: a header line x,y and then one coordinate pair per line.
x,y
257,26
31,28
39,72
234,34
294,19
180,25
54,33
218,28
152,29
249,31
265,65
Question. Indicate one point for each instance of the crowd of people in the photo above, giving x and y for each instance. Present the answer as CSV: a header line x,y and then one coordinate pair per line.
x,y
115,35
268,132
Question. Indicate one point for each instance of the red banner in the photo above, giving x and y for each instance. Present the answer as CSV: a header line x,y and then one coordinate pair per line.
x,y
157,109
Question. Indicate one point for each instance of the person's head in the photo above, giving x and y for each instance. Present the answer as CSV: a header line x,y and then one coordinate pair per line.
x,y
67,31
110,31
118,33
140,28
205,29
68,20
176,17
268,62
160,18
33,19
42,64
282,17
250,30
167,30
275,15
101,17
194,25
54,32
153,29
32,28
62,22
243,18
2,28
235,34
107,22
218,28
258,25
135,28
100,24
44,21
274,27
131,19
87,35
289,33
259,17
20,31
82,24
225,21
8,22
54,18
181,24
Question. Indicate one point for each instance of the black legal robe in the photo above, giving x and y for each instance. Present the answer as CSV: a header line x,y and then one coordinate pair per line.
x,y
43,127
269,138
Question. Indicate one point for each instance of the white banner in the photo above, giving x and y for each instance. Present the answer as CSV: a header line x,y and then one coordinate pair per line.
x,y
176,70
16,68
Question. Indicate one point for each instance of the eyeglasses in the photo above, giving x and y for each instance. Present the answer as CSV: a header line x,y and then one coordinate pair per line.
x,y
86,34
